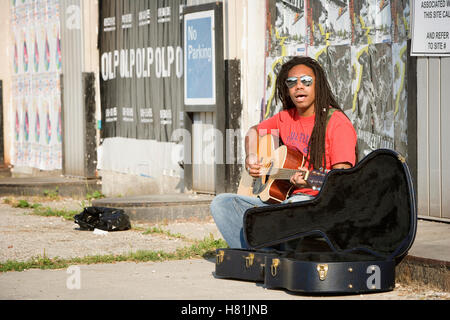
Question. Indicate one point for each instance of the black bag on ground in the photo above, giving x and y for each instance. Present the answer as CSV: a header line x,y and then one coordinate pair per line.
x,y
107,219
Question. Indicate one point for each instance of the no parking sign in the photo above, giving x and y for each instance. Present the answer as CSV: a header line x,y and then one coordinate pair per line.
x,y
199,53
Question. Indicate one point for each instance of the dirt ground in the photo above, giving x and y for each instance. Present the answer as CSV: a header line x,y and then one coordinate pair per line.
x,y
24,235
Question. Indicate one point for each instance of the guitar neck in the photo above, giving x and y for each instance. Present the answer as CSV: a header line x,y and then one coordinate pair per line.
x,y
284,174
315,178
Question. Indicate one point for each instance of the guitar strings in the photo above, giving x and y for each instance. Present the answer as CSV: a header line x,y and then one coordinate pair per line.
x,y
286,174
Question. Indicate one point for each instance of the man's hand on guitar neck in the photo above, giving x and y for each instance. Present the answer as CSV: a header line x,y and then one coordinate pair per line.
x,y
252,165
298,179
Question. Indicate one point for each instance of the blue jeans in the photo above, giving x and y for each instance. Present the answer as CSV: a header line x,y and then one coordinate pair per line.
x,y
228,211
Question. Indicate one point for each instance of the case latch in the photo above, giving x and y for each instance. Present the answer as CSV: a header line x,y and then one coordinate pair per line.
x,y
322,269
219,256
274,267
249,260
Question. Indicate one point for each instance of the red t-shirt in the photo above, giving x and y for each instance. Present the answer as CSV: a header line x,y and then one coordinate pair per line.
x,y
295,131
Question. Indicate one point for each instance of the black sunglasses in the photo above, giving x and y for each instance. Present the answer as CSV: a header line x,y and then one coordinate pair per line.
x,y
292,81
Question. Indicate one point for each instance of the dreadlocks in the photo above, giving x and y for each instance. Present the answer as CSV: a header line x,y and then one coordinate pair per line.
x,y
324,98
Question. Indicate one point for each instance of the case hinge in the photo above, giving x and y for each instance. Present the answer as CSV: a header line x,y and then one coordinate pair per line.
x,y
322,269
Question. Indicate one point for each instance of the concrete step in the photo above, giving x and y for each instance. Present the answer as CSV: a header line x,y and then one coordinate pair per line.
x,y
39,186
5,172
161,208
428,260
423,271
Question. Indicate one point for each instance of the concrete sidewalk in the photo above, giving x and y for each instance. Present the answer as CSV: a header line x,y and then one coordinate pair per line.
x,y
192,279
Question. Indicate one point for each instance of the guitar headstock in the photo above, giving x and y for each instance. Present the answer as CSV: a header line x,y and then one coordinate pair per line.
x,y
315,178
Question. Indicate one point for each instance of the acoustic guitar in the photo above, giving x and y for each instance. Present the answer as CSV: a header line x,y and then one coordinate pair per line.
x,y
278,166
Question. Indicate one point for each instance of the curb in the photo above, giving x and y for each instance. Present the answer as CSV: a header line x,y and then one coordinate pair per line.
x,y
423,271
160,208
163,213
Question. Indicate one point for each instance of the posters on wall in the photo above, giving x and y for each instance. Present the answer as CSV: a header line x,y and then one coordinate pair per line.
x,y
141,74
36,96
362,46
328,22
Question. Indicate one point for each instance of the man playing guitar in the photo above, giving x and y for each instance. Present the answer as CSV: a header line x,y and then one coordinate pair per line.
x,y
325,140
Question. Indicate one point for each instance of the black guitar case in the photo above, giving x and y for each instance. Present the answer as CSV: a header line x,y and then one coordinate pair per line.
x,y
346,240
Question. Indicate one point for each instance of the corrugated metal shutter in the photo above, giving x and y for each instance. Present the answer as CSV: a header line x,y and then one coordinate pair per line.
x,y
72,67
433,142
198,2
203,143
203,152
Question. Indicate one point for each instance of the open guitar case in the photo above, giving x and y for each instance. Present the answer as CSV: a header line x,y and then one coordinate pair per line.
x,y
348,239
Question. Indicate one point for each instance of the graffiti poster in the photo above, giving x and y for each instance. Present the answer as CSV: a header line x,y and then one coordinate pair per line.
x,y
399,56
328,22
363,14
286,28
383,21
339,74
372,113
36,102
400,15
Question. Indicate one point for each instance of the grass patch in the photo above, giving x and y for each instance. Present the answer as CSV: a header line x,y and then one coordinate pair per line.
x,y
40,210
52,194
38,262
157,230
26,204
95,195
205,248
20,203
50,212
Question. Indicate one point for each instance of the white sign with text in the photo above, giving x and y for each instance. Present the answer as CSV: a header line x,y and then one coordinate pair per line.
x,y
431,28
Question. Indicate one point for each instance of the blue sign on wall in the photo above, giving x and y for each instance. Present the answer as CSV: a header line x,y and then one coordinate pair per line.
x,y
199,57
